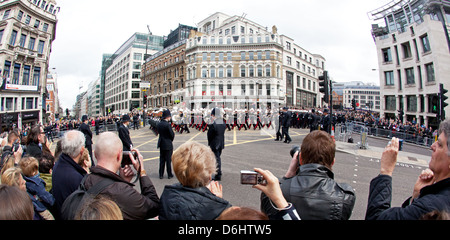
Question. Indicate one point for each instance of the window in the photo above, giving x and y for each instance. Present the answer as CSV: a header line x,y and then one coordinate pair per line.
x,y
12,40
289,61
430,72
205,56
31,43
22,40
220,72
7,69
242,55
260,71
268,73
229,89
16,75
251,55
409,76
229,71
267,55
229,56
26,75
243,89
41,47
37,23
28,19
406,47
259,55
389,78
390,103
221,56
6,14
425,43
251,71
288,45
212,88
242,71
45,28
1,35
20,15
387,57
212,72
411,103
137,56
204,72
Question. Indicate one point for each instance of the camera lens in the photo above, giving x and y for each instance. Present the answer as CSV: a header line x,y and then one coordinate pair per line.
x,y
294,149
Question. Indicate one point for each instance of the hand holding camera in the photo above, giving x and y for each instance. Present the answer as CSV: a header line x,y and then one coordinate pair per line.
x,y
134,158
271,187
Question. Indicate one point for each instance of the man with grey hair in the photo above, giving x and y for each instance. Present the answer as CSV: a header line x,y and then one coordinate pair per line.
x,y
67,174
431,192
133,204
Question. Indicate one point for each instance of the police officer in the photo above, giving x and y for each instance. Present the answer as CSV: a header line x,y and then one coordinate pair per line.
x,y
216,139
165,145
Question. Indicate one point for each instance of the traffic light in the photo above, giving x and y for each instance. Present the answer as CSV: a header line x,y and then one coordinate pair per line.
x,y
354,104
324,86
442,103
434,104
145,99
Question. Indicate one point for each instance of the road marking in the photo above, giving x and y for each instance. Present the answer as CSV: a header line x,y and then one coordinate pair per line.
x,y
234,137
149,159
146,142
192,138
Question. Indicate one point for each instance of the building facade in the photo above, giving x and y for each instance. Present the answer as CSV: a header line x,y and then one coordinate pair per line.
x,y
123,76
165,73
27,30
52,109
235,63
413,45
367,96
301,71
93,99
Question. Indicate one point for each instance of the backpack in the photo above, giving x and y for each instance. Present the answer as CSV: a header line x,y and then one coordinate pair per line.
x,y
75,201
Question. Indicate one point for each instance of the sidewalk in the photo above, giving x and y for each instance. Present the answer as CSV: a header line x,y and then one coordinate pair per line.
x,y
376,152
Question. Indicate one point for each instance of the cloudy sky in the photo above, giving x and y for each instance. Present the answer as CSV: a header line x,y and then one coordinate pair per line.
x,y
338,30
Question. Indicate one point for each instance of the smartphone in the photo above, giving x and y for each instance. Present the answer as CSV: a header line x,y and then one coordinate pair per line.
x,y
126,160
251,178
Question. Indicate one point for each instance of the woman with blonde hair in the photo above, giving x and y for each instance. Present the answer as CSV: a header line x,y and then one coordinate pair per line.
x,y
195,197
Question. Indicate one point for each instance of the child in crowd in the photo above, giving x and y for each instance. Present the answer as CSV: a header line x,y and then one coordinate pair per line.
x,y
36,188
46,164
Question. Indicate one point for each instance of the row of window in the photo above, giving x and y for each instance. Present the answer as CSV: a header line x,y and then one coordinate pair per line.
x,y
406,50
17,68
413,103
11,104
23,40
409,74
249,71
27,20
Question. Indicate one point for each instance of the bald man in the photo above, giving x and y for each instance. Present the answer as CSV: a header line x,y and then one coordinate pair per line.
x,y
134,205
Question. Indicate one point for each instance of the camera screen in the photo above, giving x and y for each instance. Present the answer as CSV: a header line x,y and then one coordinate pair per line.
x,y
249,178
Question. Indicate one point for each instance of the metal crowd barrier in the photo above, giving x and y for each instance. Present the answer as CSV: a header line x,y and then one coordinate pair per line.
x,y
345,130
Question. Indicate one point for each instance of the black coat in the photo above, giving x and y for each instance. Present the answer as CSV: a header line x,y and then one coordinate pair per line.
x,y
66,177
286,119
315,195
433,197
216,135
124,135
84,128
166,135
183,203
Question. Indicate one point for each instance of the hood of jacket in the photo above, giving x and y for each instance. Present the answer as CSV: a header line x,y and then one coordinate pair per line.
x,y
183,203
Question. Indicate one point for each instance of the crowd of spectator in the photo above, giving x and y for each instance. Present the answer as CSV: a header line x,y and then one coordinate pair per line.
x,y
36,182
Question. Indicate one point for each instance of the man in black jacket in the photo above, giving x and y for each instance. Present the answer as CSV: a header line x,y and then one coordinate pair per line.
x,y
124,133
216,139
311,187
165,145
285,124
431,191
84,128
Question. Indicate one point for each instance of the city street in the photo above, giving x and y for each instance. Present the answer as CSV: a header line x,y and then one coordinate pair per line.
x,y
246,150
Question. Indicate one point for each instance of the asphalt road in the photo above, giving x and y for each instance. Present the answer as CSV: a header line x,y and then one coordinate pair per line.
x,y
246,150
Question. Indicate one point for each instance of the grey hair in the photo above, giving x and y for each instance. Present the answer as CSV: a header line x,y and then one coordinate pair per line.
x,y
72,142
444,127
